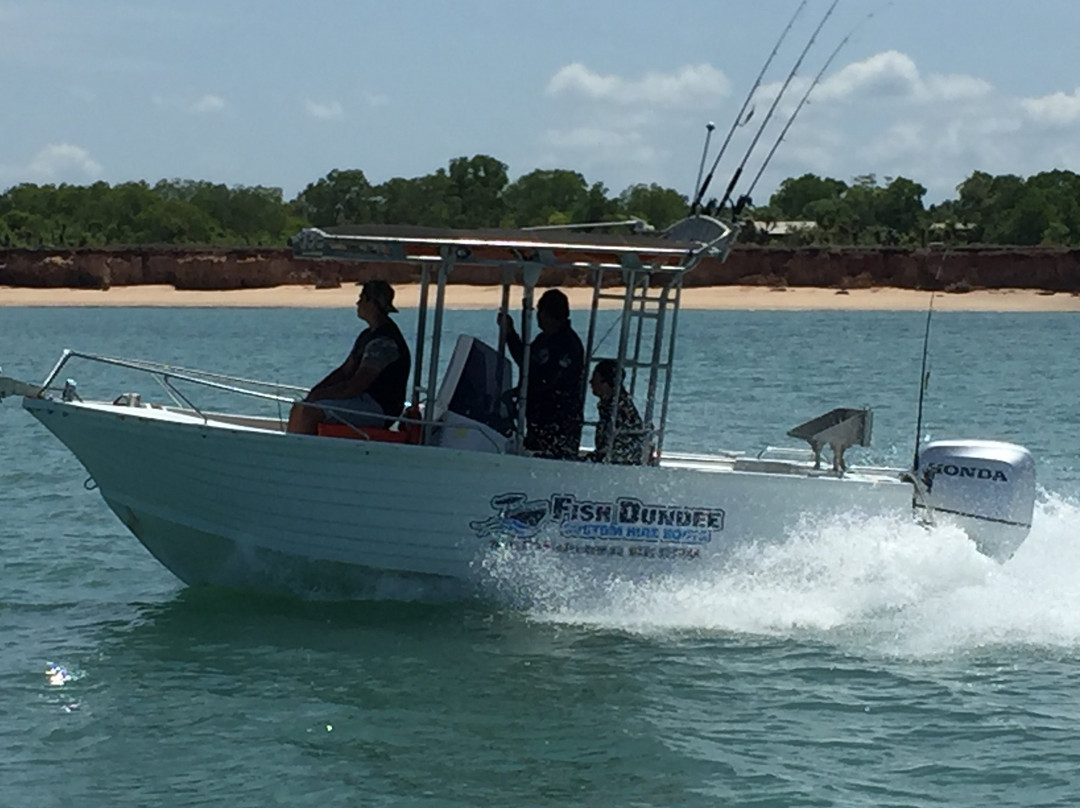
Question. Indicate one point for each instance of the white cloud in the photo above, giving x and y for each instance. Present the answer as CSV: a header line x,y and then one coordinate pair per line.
x,y
376,99
63,159
937,143
956,88
620,125
606,146
690,85
208,103
899,140
880,115
883,115
1056,109
56,162
323,110
884,74
893,75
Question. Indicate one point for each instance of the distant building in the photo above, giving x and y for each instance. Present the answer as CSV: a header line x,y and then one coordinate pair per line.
x,y
779,230
956,227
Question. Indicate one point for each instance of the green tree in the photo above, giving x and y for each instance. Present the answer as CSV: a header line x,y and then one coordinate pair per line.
x,y
660,207
26,229
256,215
475,192
341,197
476,186
172,221
1025,221
984,202
900,207
122,206
419,201
1062,189
860,223
596,206
793,195
1057,233
836,222
544,197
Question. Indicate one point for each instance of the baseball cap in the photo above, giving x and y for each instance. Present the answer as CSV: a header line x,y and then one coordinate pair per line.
x,y
380,293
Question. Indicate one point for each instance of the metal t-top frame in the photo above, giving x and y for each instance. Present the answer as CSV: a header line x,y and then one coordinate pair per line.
x,y
648,271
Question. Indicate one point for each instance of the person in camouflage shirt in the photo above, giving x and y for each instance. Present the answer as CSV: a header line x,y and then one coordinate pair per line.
x,y
624,444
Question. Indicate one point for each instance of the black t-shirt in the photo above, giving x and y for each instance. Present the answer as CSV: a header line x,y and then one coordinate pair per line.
x,y
556,392
388,389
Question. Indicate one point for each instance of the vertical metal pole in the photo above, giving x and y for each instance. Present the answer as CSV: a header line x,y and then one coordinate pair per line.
x,y
654,363
504,310
500,404
445,266
597,279
642,308
421,328
630,279
670,364
530,275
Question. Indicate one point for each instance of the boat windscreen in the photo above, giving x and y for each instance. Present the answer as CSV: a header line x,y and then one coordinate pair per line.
x,y
474,385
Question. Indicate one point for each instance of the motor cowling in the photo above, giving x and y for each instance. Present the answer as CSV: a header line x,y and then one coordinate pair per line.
x,y
989,486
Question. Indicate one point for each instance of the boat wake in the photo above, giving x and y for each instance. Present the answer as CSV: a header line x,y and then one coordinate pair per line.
x,y
881,583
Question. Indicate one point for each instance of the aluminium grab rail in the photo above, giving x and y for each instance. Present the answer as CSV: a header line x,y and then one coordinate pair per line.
x,y
165,374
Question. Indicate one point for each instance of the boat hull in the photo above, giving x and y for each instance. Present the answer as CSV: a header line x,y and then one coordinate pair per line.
x,y
259,509
199,557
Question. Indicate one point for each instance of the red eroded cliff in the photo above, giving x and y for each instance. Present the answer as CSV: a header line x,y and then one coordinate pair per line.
x,y
1053,269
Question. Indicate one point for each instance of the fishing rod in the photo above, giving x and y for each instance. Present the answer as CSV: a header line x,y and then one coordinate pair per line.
x,y
704,153
802,102
924,382
775,103
701,189
924,374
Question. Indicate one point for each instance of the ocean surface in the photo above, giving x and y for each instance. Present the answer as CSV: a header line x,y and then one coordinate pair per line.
x,y
863,663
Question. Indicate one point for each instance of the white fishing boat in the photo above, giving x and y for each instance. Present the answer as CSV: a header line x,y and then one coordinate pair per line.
x,y
231,498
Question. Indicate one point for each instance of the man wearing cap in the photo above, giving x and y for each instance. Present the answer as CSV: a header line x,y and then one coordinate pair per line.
x,y
368,389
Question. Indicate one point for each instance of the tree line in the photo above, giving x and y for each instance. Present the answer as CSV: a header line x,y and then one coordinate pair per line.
x,y
476,192
1043,209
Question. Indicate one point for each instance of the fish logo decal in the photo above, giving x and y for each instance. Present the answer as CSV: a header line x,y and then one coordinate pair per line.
x,y
516,517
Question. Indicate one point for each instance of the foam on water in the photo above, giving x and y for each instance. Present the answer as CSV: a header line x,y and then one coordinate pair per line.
x,y
880,584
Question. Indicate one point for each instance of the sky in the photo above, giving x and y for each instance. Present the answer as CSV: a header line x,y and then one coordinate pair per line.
x,y
280,93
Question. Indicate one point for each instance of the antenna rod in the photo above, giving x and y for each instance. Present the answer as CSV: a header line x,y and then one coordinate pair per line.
x,y
924,380
776,101
704,153
701,189
803,101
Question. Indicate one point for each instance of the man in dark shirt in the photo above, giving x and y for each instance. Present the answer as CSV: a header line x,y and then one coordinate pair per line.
x,y
555,397
368,389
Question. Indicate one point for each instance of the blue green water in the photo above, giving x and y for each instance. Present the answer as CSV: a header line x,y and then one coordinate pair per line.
x,y
863,662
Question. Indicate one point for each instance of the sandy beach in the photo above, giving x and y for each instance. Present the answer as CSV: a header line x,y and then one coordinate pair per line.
x,y
487,297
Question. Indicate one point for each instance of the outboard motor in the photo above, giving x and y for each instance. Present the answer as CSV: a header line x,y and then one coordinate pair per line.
x,y
987,486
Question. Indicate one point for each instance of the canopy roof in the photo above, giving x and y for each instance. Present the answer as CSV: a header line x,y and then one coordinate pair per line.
x,y
676,251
